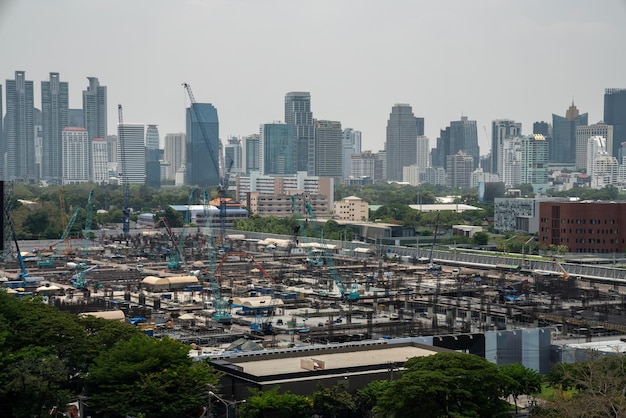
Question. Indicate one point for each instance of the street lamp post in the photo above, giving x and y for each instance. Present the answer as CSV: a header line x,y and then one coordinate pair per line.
x,y
227,404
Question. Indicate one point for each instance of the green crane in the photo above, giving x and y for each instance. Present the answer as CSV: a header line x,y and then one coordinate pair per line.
x,y
221,306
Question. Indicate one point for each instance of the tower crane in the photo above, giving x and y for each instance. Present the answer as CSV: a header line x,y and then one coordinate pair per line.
x,y
221,314
222,186
126,208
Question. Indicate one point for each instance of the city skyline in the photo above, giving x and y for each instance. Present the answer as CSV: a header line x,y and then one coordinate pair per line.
x,y
443,59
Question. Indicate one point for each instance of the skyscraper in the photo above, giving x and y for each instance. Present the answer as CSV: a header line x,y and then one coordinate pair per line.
x,y
464,137
100,168
501,129
459,136
277,149
250,153
328,146
153,157
351,145
615,115
174,153
55,117
563,142
401,145
95,112
202,146
423,153
2,174
232,154
298,113
19,130
583,133
75,160
459,168
132,152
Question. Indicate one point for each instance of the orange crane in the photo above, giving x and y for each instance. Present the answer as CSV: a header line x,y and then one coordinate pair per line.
x,y
564,273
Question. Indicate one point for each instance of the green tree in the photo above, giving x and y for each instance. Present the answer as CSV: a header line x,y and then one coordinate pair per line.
x,y
144,375
600,388
333,401
480,238
521,381
367,397
36,224
446,384
271,403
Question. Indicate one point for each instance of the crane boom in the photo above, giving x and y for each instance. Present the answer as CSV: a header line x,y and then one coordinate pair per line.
x,y
126,208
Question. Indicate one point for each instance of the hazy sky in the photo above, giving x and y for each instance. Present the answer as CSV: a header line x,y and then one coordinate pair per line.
x,y
486,59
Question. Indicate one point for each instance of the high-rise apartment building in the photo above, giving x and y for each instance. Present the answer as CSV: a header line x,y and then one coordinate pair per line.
x,y
351,145
250,153
501,129
459,168
298,113
583,133
100,160
38,125
328,149
132,152
55,117
203,145
401,145
75,160
19,130
174,153
563,142
511,167
95,111
615,115
535,152
277,149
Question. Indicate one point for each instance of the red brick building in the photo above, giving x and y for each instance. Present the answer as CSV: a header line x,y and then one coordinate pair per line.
x,y
583,227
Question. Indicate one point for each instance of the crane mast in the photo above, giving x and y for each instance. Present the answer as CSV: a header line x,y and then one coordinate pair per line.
x,y
126,208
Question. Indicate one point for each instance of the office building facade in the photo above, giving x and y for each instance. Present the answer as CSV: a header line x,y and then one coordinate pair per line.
x,y
298,113
132,152
75,160
583,227
401,144
423,153
277,149
250,153
563,141
100,160
55,117
233,156
351,144
328,149
203,145
459,136
615,115
174,153
459,168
